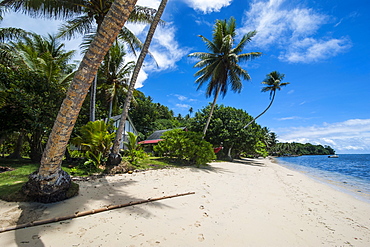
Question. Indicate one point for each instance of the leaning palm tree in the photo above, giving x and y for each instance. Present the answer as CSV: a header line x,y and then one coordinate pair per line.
x,y
50,183
220,66
115,156
82,17
273,80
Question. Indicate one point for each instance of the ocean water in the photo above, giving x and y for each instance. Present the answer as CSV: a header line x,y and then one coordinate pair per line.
x,y
349,173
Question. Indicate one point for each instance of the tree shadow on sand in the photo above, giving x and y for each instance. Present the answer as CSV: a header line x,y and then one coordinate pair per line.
x,y
94,194
250,162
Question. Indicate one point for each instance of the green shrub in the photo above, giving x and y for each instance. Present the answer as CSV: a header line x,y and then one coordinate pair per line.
x,y
134,151
95,142
185,146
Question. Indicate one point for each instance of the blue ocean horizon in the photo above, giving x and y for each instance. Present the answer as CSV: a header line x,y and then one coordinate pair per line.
x,y
349,173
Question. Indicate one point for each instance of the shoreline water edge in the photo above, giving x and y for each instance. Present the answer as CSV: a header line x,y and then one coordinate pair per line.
x,y
349,173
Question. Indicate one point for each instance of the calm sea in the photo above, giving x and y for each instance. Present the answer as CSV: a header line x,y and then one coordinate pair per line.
x,y
349,173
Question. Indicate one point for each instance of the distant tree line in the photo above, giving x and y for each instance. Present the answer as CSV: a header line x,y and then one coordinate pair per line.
x,y
294,148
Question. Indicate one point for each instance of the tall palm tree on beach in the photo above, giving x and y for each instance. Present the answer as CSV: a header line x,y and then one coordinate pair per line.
x,y
50,183
119,133
273,82
220,67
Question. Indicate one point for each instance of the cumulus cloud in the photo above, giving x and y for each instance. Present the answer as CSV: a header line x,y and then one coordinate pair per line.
x,y
350,136
293,30
149,3
164,50
207,6
183,106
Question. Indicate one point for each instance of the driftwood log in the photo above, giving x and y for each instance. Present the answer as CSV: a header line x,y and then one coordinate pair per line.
x,y
84,213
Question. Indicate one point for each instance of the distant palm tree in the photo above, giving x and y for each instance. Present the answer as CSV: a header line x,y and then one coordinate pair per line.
x,y
115,74
50,183
220,66
191,110
273,80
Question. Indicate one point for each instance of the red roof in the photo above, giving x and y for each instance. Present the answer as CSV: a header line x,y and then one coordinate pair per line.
x,y
150,141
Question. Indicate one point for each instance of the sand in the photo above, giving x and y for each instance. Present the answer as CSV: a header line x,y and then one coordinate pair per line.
x,y
246,203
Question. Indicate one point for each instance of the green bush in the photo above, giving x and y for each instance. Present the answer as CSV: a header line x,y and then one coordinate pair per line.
x,y
185,146
95,142
134,151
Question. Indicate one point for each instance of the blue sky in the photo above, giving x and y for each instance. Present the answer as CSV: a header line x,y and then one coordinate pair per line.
x,y
322,47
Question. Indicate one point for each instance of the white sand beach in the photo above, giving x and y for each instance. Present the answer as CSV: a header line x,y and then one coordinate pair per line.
x,y
250,203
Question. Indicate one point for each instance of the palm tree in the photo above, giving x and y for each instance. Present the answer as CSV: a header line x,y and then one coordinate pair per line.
x,y
116,75
220,67
81,16
45,55
190,111
117,142
273,80
50,183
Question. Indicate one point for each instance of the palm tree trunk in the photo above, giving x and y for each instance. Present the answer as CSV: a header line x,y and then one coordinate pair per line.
x,y
50,183
211,112
119,134
93,98
254,119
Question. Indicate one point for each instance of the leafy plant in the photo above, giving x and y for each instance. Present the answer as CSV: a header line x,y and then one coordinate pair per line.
x,y
134,151
95,142
185,146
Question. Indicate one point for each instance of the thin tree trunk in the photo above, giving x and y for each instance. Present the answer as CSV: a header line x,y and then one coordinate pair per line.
x,y
18,147
93,98
254,119
117,142
50,183
211,112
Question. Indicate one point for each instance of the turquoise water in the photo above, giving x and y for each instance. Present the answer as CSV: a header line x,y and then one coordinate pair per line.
x,y
349,173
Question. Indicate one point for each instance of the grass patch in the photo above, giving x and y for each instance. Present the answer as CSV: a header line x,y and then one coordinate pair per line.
x,y
157,163
11,182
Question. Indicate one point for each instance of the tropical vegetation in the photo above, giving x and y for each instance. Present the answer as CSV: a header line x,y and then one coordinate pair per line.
x,y
37,79
220,67
294,148
226,130
185,146
273,82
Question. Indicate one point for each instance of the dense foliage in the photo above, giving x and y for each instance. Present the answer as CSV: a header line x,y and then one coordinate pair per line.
x,y
29,105
94,141
148,116
226,129
300,149
185,146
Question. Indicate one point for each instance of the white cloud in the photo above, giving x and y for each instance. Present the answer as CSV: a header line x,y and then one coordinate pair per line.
x,y
181,97
208,6
149,3
292,30
312,50
183,106
164,49
345,137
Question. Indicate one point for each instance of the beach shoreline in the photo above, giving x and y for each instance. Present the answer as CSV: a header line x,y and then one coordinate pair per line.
x,y
339,182
250,202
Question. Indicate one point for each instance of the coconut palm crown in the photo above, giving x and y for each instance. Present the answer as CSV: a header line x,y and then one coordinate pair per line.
x,y
274,82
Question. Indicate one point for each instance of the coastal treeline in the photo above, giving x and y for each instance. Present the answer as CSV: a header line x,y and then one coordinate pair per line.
x,y
294,148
